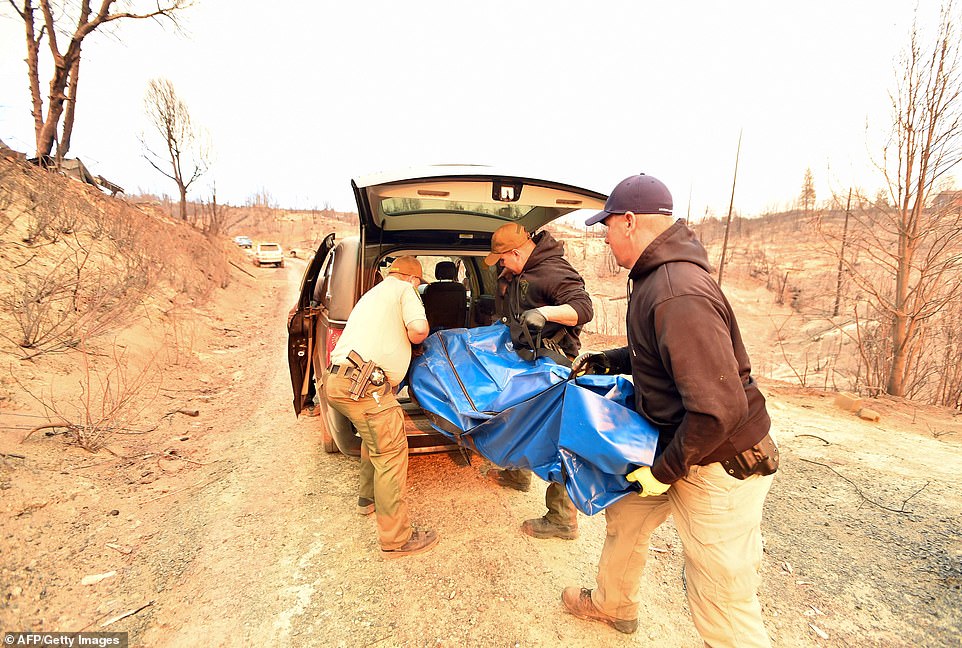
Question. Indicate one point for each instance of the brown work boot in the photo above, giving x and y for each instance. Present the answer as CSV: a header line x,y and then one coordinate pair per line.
x,y
578,602
541,528
504,478
365,506
420,540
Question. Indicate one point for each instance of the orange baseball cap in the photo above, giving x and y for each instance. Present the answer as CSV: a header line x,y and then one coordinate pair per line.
x,y
506,238
407,265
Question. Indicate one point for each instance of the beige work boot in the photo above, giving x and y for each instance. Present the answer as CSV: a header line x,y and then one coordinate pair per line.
x,y
578,602
542,529
421,540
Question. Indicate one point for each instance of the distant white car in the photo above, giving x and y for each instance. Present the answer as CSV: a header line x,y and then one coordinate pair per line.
x,y
244,241
268,254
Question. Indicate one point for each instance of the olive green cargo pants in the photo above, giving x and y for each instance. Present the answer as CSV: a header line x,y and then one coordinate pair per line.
x,y
384,454
561,510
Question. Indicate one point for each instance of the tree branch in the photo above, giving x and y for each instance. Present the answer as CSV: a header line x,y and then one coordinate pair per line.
x,y
863,496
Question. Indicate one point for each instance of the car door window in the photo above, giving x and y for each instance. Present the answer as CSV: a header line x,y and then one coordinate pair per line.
x,y
322,290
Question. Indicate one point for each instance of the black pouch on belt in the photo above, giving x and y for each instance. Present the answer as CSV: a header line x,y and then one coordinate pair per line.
x,y
760,459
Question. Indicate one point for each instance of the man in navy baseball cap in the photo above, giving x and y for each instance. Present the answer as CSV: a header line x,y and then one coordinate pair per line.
x,y
639,194
692,376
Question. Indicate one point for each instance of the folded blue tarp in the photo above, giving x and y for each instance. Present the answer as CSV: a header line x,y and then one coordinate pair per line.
x,y
582,433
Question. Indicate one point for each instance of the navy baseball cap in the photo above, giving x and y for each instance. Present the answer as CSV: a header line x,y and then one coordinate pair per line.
x,y
639,194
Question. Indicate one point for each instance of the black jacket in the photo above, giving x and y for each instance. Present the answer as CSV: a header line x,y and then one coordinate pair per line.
x,y
691,373
547,279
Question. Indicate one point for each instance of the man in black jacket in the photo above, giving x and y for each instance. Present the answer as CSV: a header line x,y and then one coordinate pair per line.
x,y
715,459
543,301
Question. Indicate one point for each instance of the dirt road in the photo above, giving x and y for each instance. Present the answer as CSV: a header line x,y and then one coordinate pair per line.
x,y
235,529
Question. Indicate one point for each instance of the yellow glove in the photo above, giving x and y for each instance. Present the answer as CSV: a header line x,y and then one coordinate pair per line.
x,y
649,485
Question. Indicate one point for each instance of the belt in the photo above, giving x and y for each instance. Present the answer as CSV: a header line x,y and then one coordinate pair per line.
x,y
345,370
348,372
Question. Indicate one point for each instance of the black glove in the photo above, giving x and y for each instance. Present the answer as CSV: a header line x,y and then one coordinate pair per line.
x,y
533,320
591,362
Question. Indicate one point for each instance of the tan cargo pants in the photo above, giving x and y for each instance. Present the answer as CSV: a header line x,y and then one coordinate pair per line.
x,y
384,454
718,519
561,510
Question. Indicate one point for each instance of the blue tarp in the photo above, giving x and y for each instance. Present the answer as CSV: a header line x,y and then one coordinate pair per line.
x,y
582,433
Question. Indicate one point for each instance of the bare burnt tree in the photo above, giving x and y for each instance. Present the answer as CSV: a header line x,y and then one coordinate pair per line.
x,y
232,217
910,253
262,208
184,157
212,215
841,256
806,198
46,19
949,385
217,218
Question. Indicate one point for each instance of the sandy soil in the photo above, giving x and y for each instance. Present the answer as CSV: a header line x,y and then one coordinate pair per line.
x,y
234,528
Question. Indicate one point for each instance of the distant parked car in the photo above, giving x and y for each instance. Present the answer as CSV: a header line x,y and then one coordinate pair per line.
x,y
268,254
244,242
438,214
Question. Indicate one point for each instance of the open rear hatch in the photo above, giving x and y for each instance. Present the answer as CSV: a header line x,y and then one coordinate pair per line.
x,y
461,203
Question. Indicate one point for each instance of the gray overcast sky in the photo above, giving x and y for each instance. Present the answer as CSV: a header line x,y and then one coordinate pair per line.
x,y
300,98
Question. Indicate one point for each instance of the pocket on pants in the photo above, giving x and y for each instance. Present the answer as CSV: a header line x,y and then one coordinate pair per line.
x,y
386,423
720,507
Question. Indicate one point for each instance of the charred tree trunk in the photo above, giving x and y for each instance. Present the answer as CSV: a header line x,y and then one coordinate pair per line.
x,y
841,256
62,94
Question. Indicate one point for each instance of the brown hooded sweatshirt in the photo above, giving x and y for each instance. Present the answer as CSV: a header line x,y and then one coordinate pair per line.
x,y
547,279
691,373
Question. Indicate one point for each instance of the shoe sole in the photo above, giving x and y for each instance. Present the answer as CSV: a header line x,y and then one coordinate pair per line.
x,y
365,510
391,555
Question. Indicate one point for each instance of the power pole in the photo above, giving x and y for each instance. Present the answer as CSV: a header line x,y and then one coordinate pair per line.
x,y
728,223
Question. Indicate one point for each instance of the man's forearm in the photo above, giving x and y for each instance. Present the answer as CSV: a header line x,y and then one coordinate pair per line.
x,y
561,314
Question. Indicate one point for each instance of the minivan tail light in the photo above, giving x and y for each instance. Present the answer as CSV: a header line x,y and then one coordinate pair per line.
x,y
333,335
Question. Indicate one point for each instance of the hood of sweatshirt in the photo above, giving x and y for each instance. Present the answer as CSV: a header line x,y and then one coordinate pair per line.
x,y
677,243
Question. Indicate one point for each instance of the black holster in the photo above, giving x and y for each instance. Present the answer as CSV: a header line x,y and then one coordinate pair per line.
x,y
367,373
760,459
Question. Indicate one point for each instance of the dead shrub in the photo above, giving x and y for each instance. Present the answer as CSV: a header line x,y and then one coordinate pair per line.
x,y
82,295
112,396
42,211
